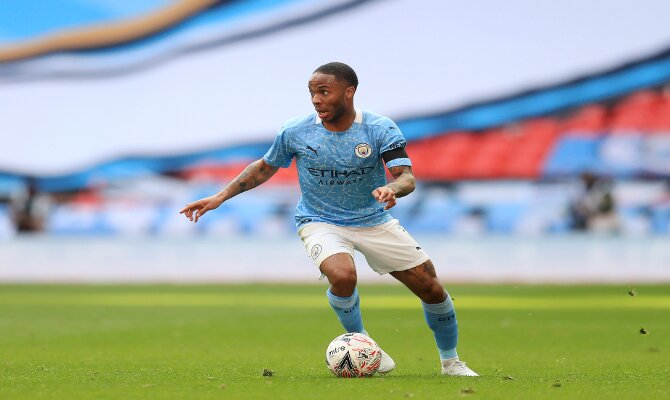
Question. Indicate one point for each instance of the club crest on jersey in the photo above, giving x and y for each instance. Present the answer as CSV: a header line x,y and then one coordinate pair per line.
x,y
363,150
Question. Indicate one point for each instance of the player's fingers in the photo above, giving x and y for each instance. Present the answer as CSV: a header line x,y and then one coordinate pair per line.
x,y
382,196
386,196
190,207
201,212
390,204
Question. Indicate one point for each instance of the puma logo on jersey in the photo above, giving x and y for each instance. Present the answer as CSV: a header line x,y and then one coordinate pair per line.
x,y
313,149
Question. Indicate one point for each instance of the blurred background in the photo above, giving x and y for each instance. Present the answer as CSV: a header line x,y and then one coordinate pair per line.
x,y
539,133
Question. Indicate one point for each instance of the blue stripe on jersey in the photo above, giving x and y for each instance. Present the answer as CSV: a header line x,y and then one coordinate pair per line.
x,y
337,170
399,161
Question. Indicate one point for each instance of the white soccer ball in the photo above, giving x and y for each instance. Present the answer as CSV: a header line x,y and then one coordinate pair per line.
x,y
353,355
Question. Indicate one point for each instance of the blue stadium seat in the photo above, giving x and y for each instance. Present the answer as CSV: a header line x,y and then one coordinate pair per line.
x,y
503,218
660,220
573,155
436,214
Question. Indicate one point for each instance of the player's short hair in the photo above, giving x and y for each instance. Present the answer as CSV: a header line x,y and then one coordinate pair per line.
x,y
341,71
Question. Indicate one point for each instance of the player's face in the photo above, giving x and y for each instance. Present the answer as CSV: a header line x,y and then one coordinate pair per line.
x,y
331,97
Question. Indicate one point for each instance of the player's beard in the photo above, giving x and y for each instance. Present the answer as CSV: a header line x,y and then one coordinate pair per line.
x,y
337,113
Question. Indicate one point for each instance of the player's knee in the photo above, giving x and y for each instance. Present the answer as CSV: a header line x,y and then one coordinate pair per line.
x,y
433,293
343,279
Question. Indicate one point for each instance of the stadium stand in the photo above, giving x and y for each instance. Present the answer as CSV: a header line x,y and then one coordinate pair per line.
x,y
517,178
503,165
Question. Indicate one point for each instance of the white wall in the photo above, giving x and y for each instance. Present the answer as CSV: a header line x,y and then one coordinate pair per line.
x,y
571,259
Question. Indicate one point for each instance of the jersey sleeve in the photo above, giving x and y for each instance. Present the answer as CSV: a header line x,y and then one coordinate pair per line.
x,y
392,139
279,154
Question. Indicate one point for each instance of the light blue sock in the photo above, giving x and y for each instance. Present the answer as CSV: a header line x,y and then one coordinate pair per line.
x,y
348,311
441,319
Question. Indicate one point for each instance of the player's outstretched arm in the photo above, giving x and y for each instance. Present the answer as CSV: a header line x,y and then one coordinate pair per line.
x,y
403,185
255,174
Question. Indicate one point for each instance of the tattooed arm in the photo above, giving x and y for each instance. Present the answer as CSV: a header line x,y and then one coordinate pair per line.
x,y
255,174
403,185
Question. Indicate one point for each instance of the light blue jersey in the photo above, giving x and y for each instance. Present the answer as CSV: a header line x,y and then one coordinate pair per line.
x,y
338,170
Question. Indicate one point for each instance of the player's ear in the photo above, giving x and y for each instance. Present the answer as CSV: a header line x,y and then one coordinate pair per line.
x,y
349,92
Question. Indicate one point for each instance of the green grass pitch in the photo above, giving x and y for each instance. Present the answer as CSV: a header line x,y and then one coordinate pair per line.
x,y
214,342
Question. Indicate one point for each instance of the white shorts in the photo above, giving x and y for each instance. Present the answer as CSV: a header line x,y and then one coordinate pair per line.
x,y
387,247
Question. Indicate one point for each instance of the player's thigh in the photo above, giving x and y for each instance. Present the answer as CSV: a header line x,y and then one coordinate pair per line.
x,y
323,242
389,247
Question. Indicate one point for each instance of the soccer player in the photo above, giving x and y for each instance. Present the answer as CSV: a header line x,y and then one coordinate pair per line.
x,y
340,153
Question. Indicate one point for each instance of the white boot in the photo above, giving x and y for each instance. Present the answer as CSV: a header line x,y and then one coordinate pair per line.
x,y
387,365
455,367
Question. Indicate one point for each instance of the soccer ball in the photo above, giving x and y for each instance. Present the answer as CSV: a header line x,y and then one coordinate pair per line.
x,y
353,355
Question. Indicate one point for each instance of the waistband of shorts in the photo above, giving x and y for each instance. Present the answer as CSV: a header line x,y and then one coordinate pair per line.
x,y
349,227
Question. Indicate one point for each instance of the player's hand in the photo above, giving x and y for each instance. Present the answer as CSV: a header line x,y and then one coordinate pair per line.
x,y
200,207
386,195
